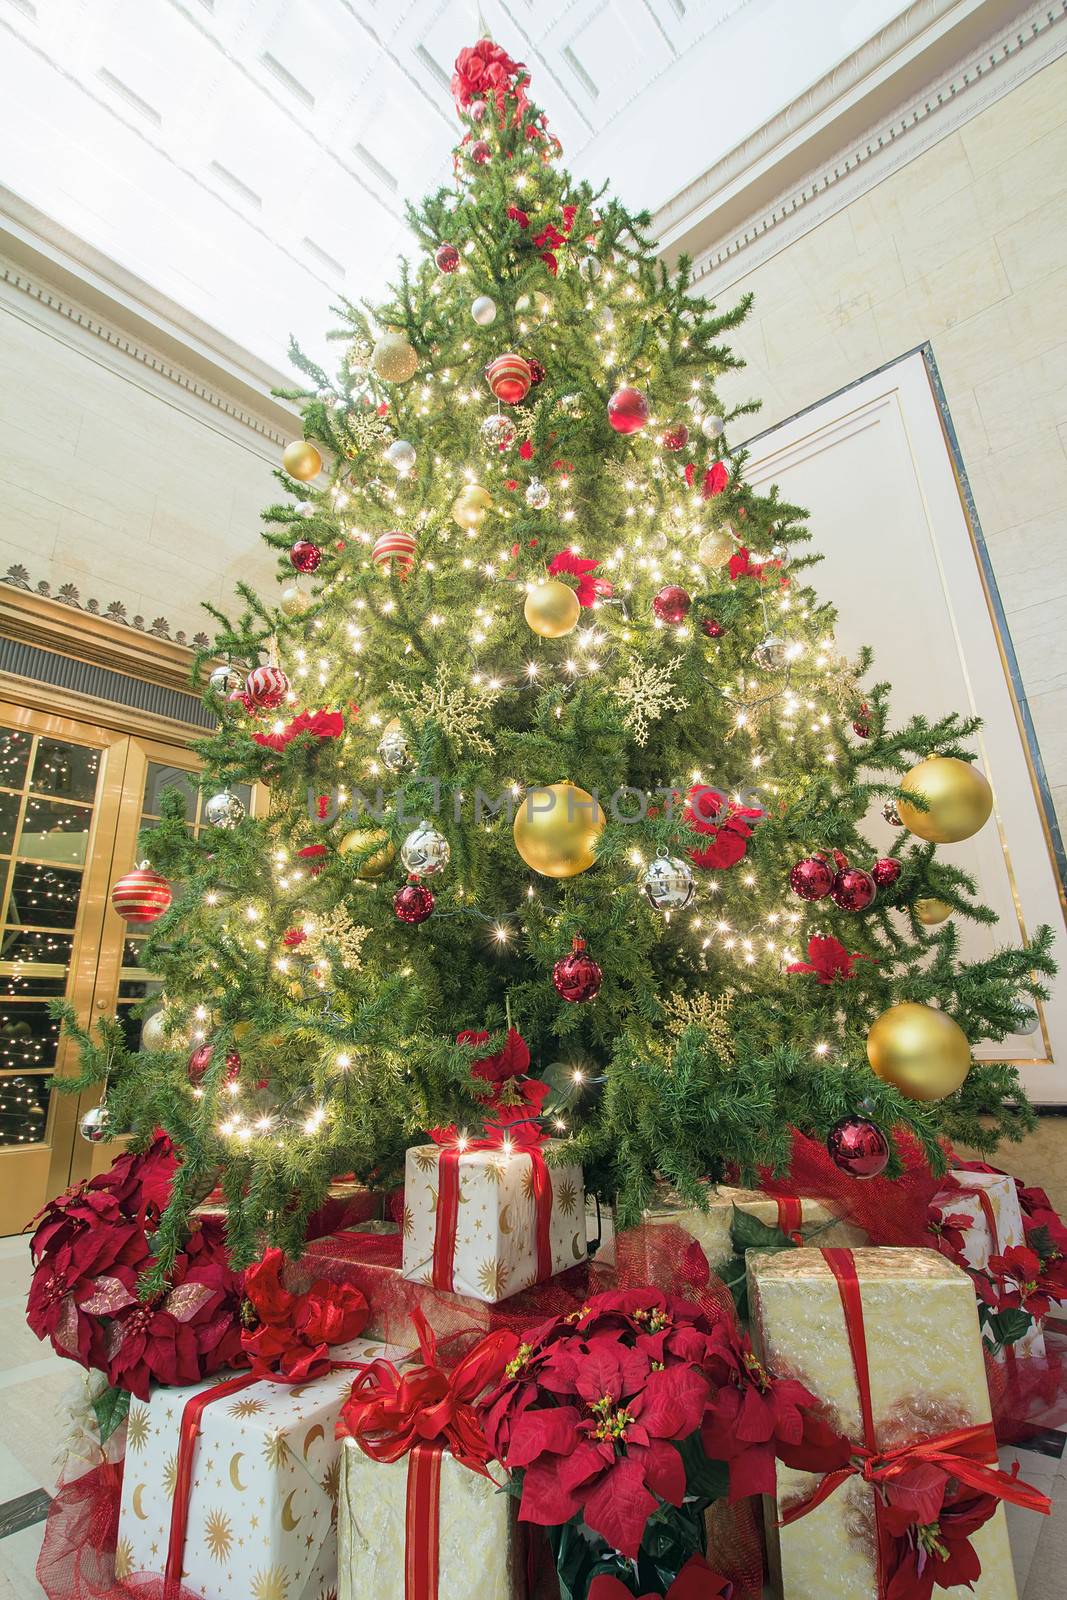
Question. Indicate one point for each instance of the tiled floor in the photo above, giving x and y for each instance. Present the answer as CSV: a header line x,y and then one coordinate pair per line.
x,y
33,1381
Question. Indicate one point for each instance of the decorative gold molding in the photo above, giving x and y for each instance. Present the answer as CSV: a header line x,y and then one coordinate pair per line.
x,y
52,624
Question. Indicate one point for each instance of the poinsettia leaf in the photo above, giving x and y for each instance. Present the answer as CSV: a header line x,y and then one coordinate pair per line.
x,y
704,1480
111,1409
1040,1240
187,1299
749,1233
65,1332
109,1296
1007,1326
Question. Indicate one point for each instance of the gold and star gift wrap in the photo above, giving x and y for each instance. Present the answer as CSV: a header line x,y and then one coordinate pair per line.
x,y
496,1247
927,1376
263,1501
990,1234
711,1228
478,1550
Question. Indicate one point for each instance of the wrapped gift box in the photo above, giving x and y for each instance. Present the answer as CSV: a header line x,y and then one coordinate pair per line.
x,y
991,1201
711,1228
382,1536
494,1250
927,1376
262,1502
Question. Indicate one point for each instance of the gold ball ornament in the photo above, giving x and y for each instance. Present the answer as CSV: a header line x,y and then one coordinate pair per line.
x,y
361,839
393,358
930,912
301,460
556,828
294,601
922,1052
716,547
958,796
551,609
470,506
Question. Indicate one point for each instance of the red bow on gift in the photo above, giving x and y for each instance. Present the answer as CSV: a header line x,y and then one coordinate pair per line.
x,y
291,1343
390,1412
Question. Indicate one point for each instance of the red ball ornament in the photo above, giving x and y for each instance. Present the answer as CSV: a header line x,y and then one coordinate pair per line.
x,y
627,410
577,977
447,257
305,556
886,871
853,889
142,895
858,1147
712,628
537,370
414,902
672,604
480,152
861,727
266,687
812,878
675,437
201,1059
509,378
395,548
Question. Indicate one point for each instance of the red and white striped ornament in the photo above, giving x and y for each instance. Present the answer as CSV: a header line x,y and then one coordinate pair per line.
x,y
509,377
395,546
266,687
142,895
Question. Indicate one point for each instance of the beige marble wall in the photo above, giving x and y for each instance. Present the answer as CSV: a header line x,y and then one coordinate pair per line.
x,y
119,483
966,247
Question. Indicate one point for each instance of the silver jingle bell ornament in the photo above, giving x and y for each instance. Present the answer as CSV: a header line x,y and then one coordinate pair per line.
x,y
401,455
537,496
589,268
393,752
225,680
498,432
224,810
771,654
668,883
712,427
94,1125
483,310
425,852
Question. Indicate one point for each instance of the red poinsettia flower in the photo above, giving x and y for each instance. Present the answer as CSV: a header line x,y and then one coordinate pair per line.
x,y
569,214
576,567
752,1417
725,823
715,480
319,724
828,960
1022,1279
526,450
742,566
939,1553
313,854
948,1230
516,214
516,1120
696,1581
295,1331
512,1061
482,70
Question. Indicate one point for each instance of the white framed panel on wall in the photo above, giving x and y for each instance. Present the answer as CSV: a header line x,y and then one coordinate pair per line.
x,y
876,469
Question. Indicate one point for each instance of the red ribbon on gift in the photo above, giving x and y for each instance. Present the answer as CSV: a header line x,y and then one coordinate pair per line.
x,y
444,1239
963,1453
421,1411
190,1428
790,1216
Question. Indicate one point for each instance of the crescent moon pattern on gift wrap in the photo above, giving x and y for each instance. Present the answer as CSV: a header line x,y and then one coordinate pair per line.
x,y
317,1432
235,1477
506,1224
578,1248
135,1501
289,1522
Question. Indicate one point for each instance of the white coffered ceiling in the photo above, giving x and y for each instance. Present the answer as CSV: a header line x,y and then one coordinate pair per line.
x,y
249,159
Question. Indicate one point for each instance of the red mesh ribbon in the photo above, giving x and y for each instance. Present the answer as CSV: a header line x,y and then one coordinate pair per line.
x,y
963,1454
889,1210
444,1242
77,1559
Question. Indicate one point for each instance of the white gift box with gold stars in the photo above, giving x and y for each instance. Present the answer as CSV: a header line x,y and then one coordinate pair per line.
x,y
262,1519
982,1240
496,1248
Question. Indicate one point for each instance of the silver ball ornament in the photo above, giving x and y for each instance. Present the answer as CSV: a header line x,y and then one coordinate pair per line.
x,y
224,810
483,310
401,455
589,268
153,1033
425,852
94,1125
668,883
770,655
891,814
305,509
224,680
393,751
780,553
1027,1021
712,427
537,495
498,432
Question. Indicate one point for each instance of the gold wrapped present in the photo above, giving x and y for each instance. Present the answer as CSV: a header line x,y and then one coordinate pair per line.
x,y
424,1528
711,1228
926,1379
260,1512
490,1222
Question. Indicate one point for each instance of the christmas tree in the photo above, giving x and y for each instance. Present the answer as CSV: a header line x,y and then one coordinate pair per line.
x,y
567,782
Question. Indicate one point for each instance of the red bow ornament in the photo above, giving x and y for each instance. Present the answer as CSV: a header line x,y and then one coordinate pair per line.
x,y
291,1342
